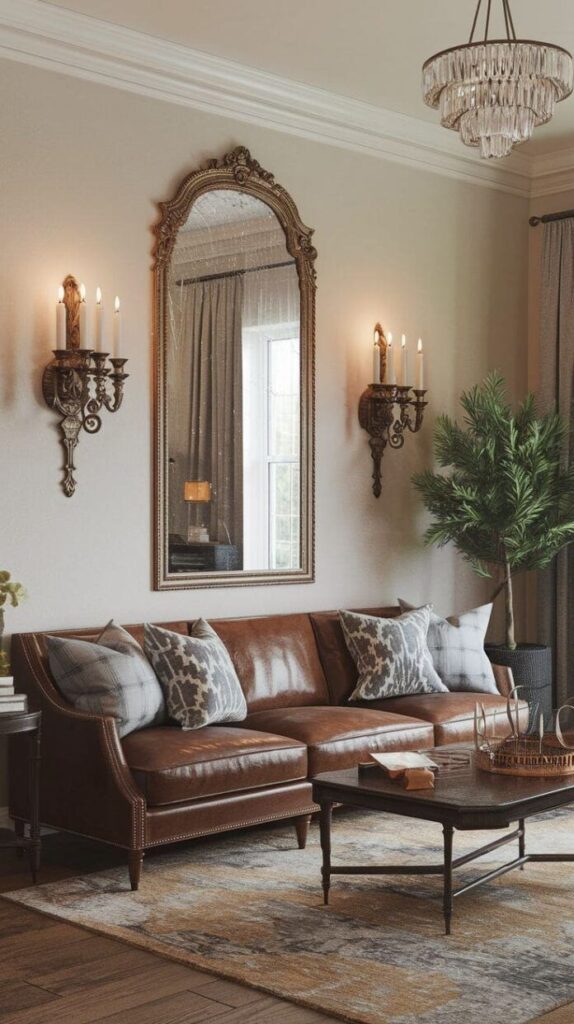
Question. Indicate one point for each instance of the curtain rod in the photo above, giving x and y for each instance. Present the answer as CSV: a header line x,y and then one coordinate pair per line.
x,y
234,273
547,217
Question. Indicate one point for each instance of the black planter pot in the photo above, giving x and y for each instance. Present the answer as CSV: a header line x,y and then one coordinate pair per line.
x,y
531,666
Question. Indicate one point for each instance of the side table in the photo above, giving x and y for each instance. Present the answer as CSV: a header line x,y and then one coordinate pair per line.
x,y
13,725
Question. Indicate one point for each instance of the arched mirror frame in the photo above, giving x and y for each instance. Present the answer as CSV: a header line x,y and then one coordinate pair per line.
x,y
237,170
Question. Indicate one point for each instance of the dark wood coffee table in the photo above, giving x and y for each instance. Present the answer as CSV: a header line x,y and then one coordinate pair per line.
x,y
464,798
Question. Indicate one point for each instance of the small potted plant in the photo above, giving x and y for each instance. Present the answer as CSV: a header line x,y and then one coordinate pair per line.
x,y
505,499
14,594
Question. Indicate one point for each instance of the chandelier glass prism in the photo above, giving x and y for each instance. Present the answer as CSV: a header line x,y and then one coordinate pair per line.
x,y
495,92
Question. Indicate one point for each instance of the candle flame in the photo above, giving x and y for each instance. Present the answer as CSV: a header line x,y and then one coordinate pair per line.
x,y
83,292
390,338
420,345
117,304
403,340
99,296
61,293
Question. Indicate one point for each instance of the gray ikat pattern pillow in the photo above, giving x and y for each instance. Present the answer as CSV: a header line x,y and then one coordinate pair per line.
x,y
110,677
197,675
391,655
456,645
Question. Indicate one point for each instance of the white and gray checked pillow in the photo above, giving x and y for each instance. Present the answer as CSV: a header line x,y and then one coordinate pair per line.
x,y
457,649
391,655
110,677
198,677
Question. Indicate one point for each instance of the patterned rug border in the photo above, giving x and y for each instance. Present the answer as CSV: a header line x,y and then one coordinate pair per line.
x,y
187,959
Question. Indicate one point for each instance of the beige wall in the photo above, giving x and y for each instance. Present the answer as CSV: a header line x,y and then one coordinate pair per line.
x,y
81,169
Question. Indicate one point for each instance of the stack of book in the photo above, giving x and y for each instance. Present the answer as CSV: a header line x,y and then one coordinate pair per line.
x,y
11,703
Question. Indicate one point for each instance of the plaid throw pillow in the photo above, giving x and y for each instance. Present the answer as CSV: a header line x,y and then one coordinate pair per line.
x,y
457,649
110,677
391,655
200,683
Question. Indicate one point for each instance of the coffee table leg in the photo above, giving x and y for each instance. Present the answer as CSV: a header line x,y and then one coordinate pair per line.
x,y
447,898
325,830
521,842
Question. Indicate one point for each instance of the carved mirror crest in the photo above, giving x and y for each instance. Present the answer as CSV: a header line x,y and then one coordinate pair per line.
x,y
234,382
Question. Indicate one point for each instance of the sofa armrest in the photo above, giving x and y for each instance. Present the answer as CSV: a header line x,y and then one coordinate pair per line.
x,y
86,785
503,678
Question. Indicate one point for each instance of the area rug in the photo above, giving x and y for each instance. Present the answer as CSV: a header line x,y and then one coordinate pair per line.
x,y
248,906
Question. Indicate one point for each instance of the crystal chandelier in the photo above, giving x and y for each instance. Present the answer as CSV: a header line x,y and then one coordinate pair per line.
x,y
496,91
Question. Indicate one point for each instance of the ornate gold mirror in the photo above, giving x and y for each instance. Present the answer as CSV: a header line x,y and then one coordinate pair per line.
x,y
234,359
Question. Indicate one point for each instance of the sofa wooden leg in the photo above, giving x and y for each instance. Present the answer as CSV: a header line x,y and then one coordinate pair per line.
x,y
19,829
302,828
135,861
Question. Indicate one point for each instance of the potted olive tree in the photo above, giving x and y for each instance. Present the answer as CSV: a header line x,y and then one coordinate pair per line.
x,y
505,499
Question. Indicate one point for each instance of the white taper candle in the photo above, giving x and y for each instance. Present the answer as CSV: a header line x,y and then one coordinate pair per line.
x,y
99,321
117,331
420,375
61,319
404,367
376,359
83,318
391,377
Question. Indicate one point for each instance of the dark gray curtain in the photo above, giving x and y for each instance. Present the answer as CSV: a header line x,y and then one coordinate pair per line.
x,y
205,406
556,585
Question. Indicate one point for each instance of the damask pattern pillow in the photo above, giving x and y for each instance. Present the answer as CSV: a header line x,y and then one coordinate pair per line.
x,y
456,645
109,677
197,675
391,655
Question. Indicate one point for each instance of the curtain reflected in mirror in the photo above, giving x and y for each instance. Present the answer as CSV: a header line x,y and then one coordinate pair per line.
x,y
233,391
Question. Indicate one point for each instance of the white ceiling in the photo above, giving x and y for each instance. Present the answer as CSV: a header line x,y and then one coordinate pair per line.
x,y
370,50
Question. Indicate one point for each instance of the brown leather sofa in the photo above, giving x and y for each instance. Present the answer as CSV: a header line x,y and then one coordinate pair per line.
x,y
163,785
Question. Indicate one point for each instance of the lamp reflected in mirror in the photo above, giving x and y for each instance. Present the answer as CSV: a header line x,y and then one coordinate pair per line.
x,y
195,492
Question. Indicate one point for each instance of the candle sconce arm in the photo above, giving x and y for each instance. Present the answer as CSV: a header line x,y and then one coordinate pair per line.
x,y
385,427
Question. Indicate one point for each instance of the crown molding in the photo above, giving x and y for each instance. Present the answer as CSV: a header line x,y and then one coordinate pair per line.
x,y
41,34
552,173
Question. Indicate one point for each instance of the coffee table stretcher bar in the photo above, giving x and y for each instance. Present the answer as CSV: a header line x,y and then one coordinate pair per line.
x,y
449,865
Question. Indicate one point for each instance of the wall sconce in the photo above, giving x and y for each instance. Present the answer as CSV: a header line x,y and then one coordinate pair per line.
x,y
76,384
377,414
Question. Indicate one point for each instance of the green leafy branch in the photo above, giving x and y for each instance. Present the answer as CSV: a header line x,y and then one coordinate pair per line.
x,y
505,497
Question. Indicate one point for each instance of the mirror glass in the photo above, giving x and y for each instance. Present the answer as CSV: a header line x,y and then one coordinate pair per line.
x,y
232,391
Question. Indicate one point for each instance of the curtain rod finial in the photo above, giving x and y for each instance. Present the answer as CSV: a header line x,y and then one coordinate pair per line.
x,y
535,221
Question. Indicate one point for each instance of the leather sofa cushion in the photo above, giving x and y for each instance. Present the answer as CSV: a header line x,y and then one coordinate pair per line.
x,y
276,659
172,765
339,668
339,737
452,714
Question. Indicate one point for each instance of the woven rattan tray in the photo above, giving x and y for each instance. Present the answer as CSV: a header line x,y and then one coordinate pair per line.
x,y
525,756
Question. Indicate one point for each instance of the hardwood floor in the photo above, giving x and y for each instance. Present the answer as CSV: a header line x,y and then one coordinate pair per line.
x,y
55,973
